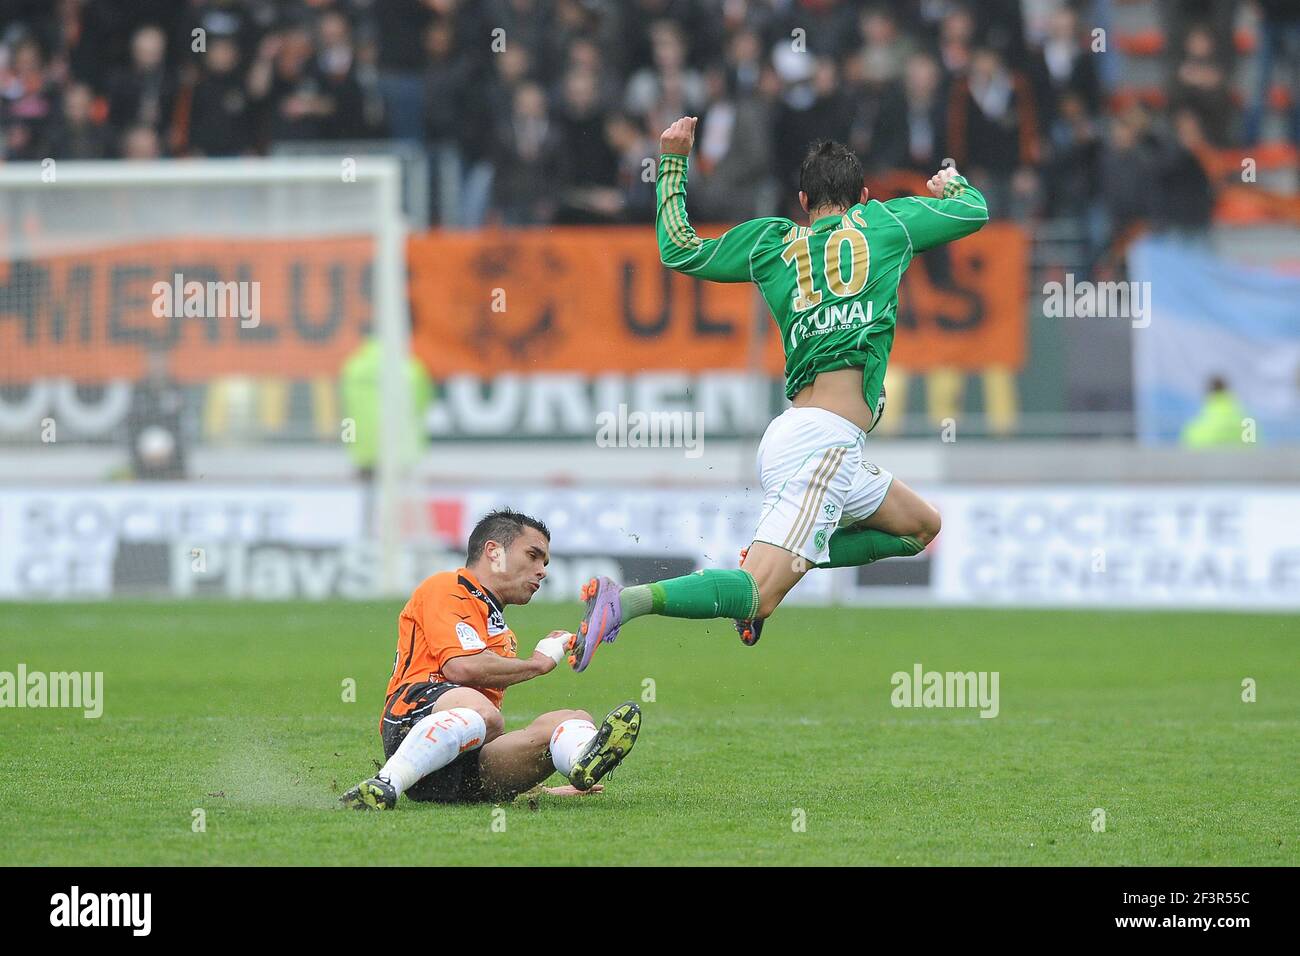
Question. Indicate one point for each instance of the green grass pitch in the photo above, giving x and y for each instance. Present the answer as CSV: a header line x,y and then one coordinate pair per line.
x,y
238,710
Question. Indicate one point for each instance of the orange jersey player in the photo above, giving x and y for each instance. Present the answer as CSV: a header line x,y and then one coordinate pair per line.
x,y
442,729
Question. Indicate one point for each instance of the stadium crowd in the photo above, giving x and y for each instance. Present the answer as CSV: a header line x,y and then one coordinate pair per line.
x,y
547,110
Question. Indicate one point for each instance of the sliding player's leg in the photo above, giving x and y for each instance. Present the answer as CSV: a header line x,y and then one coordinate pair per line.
x,y
521,759
567,741
431,748
902,525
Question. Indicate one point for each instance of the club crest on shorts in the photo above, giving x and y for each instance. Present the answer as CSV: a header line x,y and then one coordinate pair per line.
x,y
873,469
819,539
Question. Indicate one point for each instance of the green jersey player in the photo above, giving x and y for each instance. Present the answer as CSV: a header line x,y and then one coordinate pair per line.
x,y
832,287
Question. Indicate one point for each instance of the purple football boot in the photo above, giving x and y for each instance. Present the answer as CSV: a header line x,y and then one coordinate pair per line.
x,y
600,623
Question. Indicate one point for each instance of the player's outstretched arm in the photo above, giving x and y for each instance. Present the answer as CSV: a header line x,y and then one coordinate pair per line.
x,y
957,209
485,669
725,259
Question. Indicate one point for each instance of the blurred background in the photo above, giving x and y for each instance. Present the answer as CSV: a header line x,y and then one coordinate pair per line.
x,y
1101,389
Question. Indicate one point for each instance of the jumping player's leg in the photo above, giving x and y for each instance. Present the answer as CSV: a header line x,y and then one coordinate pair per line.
x,y
775,571
809,463
902,526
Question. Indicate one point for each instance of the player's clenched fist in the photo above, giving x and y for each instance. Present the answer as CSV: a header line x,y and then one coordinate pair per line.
x,y
941,179
679,137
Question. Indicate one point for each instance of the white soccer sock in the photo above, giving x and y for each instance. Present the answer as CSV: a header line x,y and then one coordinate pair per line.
x,y
433,743
568,741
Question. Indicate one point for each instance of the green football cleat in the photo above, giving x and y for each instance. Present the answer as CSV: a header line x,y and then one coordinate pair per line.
x,y
613,741
372,794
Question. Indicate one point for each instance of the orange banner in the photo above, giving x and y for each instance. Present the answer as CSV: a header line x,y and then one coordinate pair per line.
x,y
585,300
215,307
597,300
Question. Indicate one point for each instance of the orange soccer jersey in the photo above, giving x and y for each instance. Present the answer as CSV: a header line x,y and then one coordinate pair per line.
x,y
449,615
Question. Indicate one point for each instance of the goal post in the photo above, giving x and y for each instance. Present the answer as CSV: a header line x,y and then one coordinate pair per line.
x,y
319,242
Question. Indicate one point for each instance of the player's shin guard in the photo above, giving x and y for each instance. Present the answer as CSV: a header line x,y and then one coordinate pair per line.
x,y
433,743
568,741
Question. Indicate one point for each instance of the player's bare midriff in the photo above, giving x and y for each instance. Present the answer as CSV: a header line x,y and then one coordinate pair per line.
x,y
840,392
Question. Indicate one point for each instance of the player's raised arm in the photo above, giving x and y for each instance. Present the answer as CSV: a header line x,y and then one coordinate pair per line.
x,y
725,259
957,210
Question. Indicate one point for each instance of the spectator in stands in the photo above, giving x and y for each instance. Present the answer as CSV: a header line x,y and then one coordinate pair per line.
x,y
1201,86
491,100
1180,17
351,114
144,93
670,88
528,24
992,132
923,114
27,103
220,123
76,135
1063,67
826,28
400,27
527,160
1186,194
584,53
813,106
732,167
288,88
1279,26
744,58
1076,150
589,164
872,76
956,39
1128,164
1220,423
884,50
902,126
696,23
447,77
637,150
447,89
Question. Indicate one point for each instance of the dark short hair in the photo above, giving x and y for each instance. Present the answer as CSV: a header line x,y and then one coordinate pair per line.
x,y
831,175
502,526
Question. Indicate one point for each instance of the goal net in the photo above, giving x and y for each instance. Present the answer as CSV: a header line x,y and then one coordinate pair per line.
x,y
197,358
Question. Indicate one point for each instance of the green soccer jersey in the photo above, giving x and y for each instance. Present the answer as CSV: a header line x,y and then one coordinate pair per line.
x,y
832,287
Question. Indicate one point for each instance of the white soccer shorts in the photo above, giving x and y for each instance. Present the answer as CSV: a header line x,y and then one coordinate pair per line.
x,y
815,479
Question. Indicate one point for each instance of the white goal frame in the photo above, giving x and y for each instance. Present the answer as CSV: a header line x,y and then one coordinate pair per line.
x,y
391,319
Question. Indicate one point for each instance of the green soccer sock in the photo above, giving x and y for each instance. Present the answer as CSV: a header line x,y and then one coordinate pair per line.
x,y
852,547
704,594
